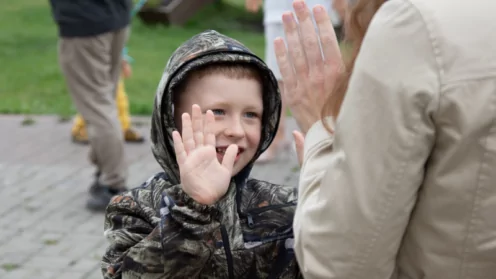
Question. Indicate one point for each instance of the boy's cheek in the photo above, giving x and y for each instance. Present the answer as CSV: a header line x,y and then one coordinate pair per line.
x,y
254,135
217,128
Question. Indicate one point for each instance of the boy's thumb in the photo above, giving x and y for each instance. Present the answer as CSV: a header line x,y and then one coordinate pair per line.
x,y
299,145
230,157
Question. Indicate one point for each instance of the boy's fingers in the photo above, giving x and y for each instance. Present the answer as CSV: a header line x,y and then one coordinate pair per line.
x,y
187,134
197,120
299,145
208,128
179,148
230,157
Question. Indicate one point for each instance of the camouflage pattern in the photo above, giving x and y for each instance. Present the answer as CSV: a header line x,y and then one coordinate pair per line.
x,y
157,231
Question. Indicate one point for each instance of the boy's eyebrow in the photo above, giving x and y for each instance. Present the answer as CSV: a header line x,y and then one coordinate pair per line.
x,y
213,105
217,103
255,108
222,104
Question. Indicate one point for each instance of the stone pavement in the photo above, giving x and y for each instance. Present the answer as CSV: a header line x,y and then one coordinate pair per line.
x,y
45,231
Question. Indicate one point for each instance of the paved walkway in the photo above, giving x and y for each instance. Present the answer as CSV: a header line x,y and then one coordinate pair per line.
x,y
45,231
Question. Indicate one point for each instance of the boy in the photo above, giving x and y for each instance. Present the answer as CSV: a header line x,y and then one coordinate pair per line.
x,y
203,217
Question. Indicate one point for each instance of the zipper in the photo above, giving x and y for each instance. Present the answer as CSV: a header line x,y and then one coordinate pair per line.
x,y
227,249
265,208
256,211
251,224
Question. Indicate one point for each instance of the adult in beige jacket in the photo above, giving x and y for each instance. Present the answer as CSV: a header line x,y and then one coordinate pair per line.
x,y
405,186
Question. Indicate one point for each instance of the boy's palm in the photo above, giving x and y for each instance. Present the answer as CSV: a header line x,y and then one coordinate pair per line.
x,y
203,177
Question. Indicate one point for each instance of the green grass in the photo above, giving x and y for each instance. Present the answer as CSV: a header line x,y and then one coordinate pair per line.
x,y
30,78
9,267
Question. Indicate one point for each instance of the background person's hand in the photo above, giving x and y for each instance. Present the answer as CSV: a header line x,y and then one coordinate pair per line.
x,y
203,177
253,6
126,69
308,77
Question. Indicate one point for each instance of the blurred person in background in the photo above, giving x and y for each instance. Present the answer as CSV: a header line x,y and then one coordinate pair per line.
x,y
92,35
79,132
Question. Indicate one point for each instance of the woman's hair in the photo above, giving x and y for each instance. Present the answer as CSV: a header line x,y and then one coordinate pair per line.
x,y
359,15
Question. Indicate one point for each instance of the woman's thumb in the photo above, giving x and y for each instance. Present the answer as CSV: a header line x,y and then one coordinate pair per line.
x,y
299,145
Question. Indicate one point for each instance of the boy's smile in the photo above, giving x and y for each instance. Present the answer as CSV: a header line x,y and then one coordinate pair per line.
x,y
238,107
221,150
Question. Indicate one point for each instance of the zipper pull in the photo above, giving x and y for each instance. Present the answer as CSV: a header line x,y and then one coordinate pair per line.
x,y
251,224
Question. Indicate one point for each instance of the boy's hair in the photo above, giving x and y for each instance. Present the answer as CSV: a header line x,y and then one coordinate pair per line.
x,y
232,70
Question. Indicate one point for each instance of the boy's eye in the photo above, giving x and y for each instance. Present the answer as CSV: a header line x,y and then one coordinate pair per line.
x,y
251,114
218,111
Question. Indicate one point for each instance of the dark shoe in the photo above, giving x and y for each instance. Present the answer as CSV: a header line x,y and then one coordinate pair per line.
x,y
101,196
94,187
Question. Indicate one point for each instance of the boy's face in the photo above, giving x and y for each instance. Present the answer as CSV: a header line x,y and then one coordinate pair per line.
x,y
237,105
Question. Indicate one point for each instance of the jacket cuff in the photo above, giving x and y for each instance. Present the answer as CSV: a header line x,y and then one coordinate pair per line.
x,y
183,207
318,134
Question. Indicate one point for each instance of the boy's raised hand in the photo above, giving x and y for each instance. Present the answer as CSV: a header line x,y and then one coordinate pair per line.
x,y
203,177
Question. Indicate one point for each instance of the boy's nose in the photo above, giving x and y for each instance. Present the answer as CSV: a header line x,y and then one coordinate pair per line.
x,y
235,129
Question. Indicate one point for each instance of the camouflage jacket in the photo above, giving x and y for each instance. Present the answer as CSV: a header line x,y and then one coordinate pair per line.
x,y
157,231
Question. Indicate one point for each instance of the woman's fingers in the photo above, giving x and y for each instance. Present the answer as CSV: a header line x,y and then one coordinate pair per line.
x,y
333,62
308,37
187,133
311,68
208,128
328,39
295,48
286,68
197,120
299,145
179,148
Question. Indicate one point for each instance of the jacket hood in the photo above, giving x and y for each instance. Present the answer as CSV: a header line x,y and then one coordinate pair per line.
x,y
208,47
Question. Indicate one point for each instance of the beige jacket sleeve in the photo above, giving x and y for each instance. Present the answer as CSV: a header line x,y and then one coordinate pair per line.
x,y
357,190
